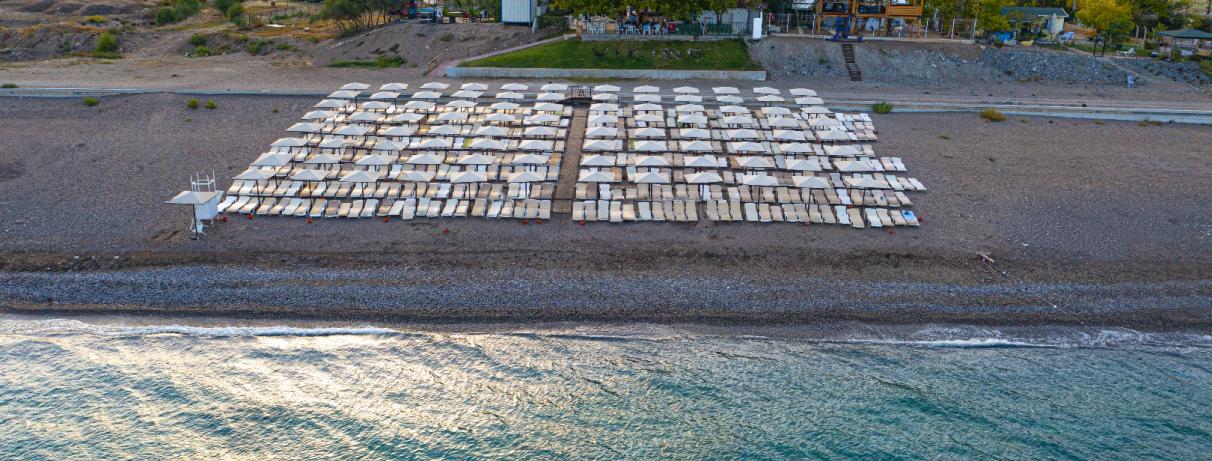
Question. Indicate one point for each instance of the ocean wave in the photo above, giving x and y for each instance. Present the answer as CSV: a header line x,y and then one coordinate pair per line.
x,y
65,326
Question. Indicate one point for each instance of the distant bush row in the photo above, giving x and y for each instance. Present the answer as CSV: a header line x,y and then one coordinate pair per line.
x,y
171,11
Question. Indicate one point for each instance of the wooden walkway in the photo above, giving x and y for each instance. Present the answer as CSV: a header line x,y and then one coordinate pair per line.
x,y
565,191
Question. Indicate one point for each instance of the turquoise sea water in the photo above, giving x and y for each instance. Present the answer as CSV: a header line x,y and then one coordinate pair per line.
x,y
71,390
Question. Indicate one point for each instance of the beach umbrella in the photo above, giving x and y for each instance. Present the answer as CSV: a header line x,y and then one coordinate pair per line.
x,y
309,175
530,159
334,143
692,119
515,87
649,132
376,105
605,88
554,87
809,101
540,119
331,104
783,122
647,98
464,177
694,133
759,180
599,145
816,110
765,90
696,146
597,160
255,174
747,146
319,115
536,144
701,161
651,161
323,159
351,130
510,95
476,159
548,107
852,166
754,162
730,99
452,117
460,104
648,118
799,164
605,97
737,120
650,146
795,148
647,107
393,87
388,145
488,144
425,159
770,98
789,135
601,132
501,118
526,176
688,98
385,95
550,97
864,183
651,177
273,159
305,128
801,92
703,178
417,176
688,108
733,110
595,176
842,151
474,86
743,133
408,117
419,105
435,86
646,89
426,95
540,131
362,116
603,119
686,90
190,197
399,131
375,160
811,182
490,130
768,111
504,105
357,86
443,130
832,135
604,107
725,90
289,142
823,122
435,143
344,94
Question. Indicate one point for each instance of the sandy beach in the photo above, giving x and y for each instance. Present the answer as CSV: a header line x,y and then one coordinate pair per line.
x,y
1102,222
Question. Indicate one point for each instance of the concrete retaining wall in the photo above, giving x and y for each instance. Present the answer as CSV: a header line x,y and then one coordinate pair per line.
x,y
645,74
656,38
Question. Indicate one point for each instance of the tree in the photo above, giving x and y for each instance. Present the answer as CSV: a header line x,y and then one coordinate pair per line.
x,y
222,6
989,18
1110,18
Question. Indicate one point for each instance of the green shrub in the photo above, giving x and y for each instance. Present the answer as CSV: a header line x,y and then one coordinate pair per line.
x,y
285,47
234,12
446,37
192,104
255,47
992,115
223,5
165,15
197,40
8,85
185,8
211,105
107,43
98,19
881,107
381,62
202,51
91,101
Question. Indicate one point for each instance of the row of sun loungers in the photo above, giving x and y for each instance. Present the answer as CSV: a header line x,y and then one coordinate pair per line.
x,y
408,208
334,189
738,211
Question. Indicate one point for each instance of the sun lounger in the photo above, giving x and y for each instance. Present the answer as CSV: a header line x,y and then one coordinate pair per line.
x,y
616,211
369,208
317,208
334,208
227,202
645,211
545,209
873,219
507,209
266,205
751,212
409,210
346,207
856,217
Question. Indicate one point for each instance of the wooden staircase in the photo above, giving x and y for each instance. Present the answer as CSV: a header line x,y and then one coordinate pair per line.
x,y
851,66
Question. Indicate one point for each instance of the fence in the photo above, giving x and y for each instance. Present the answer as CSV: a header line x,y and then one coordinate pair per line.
x,y
655,30
275,14
805,23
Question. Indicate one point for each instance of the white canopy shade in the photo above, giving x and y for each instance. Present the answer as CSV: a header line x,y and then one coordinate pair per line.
x,y
601,132
789,135
309,175
604,107
795,148
435,143
686,90
783,122
419,105
733,110
809,101
274,159
606,88
424,159
605,97
694,133
355,86
319,115
375,160
595,176
490,130
510,95
554,87
696,146
738,120
603,119
864,183
729,99
323,159
647,98
536,144
474,86
650,146
530,159
651,177
376,105
702,161
832,135
598,160
393,87
801,92
417,176
190,197
334,143
647,107
443,130
765,90
852,166
646,89
811,182
549,97
649,132
770,98
776,111
687,98
452,117
476,159
540,131
514,87
692,119
435,86
824,122
501,118
540,119
799,164
688,108
548,107
463,177
362,116
255,174
289,142
759,180
725,90
816,110
402,130
703,178
651,161
387,144
843,151
754,162
744,133
648,118
461,104
331,104
746,146
488,144
505,105
594,145
526,176
344,94
351,130
385,95
426,95
305,128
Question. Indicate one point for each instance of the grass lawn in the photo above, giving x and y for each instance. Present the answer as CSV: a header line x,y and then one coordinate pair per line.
x,y
575,54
